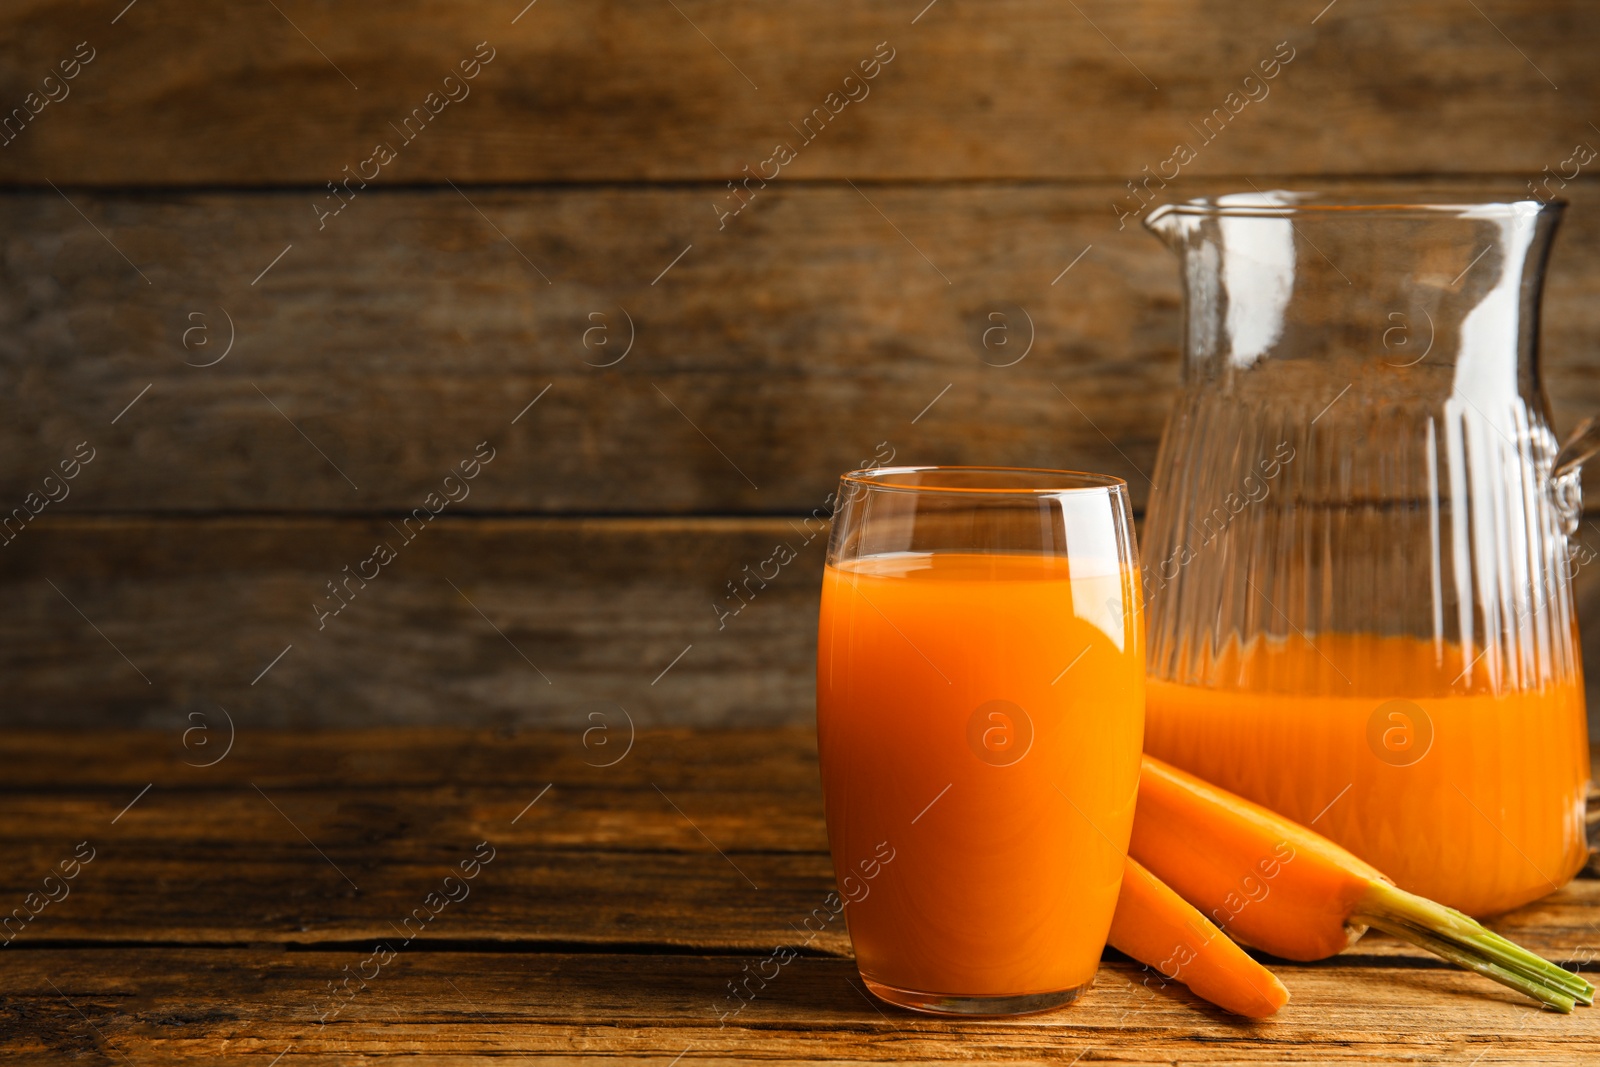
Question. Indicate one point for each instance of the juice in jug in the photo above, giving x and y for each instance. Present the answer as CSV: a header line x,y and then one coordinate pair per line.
x,y
1403,755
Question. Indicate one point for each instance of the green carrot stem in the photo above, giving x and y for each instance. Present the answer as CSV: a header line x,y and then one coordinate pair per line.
x,y
1388,901
1554,998
1467,943
1582,990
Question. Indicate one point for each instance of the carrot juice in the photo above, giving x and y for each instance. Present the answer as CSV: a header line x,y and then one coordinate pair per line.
x,y
979,720
1405,755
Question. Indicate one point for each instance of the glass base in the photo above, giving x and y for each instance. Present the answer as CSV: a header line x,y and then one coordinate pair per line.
x,y
956,1004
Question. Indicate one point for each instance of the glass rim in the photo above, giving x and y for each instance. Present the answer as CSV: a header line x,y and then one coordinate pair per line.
x,y
1055,482
1281,203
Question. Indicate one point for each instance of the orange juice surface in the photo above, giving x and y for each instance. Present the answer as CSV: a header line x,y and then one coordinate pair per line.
x,y
1410,761
979,721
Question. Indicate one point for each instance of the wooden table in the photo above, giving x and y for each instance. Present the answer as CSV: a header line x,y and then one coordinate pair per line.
x,y
230,913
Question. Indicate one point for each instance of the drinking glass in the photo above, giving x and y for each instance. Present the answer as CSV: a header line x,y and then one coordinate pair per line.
x,y
980,711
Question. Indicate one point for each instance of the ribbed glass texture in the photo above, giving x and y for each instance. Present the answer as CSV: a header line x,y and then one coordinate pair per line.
x,y
1357,566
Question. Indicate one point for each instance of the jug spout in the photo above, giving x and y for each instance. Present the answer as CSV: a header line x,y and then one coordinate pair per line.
x,y
1411,295
1169,224
1177,223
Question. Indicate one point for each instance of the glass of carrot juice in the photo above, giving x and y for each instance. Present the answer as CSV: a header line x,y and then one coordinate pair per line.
x,y
980,711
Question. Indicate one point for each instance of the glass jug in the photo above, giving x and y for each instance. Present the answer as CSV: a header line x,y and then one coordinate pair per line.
x,y
1357,569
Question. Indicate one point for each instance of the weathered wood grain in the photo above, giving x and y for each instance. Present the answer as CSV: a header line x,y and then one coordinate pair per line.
x,y
619,854
183,93
180,1005
474,621
698,840
273,887
779,763
372,352
579,616
212,922
767,361
809,337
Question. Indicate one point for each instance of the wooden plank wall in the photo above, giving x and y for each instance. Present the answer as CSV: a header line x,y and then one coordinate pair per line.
x,y
271,373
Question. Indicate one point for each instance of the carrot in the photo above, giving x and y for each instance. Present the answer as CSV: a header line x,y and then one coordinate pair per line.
x,y
1159,928
1287,890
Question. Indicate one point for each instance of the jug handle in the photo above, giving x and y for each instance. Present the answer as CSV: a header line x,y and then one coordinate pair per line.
x,y
1579,447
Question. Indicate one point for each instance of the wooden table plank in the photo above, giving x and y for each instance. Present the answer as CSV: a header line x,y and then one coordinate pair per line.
x,y
637,90
184,1005
660,849
280,891
215,918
